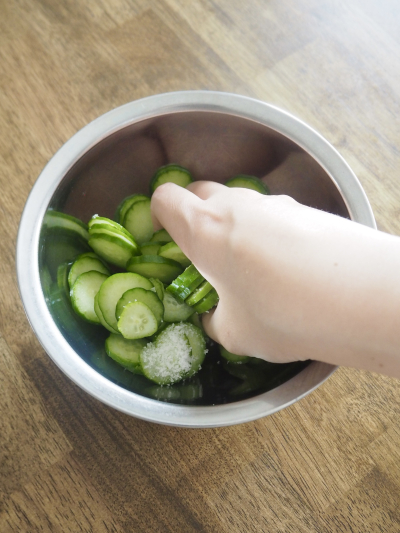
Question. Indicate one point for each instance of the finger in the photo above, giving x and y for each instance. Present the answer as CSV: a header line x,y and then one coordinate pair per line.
x,y
172,208
205,189
210,324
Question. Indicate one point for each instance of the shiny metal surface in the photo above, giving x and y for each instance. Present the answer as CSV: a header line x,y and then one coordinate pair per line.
x,y
216,135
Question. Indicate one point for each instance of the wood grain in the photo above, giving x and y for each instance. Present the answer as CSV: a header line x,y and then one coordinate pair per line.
x,y
329,463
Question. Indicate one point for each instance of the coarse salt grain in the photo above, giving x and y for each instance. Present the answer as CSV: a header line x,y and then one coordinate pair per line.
x,y
170,358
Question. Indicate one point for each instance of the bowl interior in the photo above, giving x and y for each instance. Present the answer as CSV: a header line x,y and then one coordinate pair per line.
x,y
213,146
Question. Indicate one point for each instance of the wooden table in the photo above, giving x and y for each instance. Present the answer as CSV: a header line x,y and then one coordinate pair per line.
x,y
68,463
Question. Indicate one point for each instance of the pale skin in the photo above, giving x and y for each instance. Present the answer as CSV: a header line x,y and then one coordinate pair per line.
x,y
294,283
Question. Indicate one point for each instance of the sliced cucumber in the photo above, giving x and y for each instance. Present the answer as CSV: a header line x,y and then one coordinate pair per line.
x,y
46,281
185,283
147,297
160,329
162,236
62,277
199,293
196,320
100,316
177,353
85,263
101,224
207,303
154,266
115,249
83,292
137,321
232,357
158,287
114,371
126,204
197,342
126,352
138,222
61,245
175,310
248,182
88,254
172,251
56,219
150,248
170,173
112,290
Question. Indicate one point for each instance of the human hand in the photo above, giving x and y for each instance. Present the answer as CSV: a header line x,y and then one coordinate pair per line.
x,y
294,282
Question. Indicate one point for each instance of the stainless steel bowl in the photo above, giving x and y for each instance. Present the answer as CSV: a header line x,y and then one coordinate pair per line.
x,y
216,135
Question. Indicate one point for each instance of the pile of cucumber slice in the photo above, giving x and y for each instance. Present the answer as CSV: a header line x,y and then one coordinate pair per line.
x,y
139,285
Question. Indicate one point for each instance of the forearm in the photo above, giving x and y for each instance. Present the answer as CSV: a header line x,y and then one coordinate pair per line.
x,y
360,320
333,294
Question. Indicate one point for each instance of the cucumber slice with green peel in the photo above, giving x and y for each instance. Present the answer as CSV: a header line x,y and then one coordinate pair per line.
x,y
197,341
97,224
126,352
170,174
62,277
177,353
56,219
68,321
113,248
116,372
154,266
83,292
172,251
112,290
161,328
147,297
137,321
248,182
207,303
150,248
199,293
186,283
98,220
105,229
117,234
232,357
109,230
196,320
89,254
85,264
60,246
45,280
126,204
100,316
162,236
175,310
158,287
138,221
